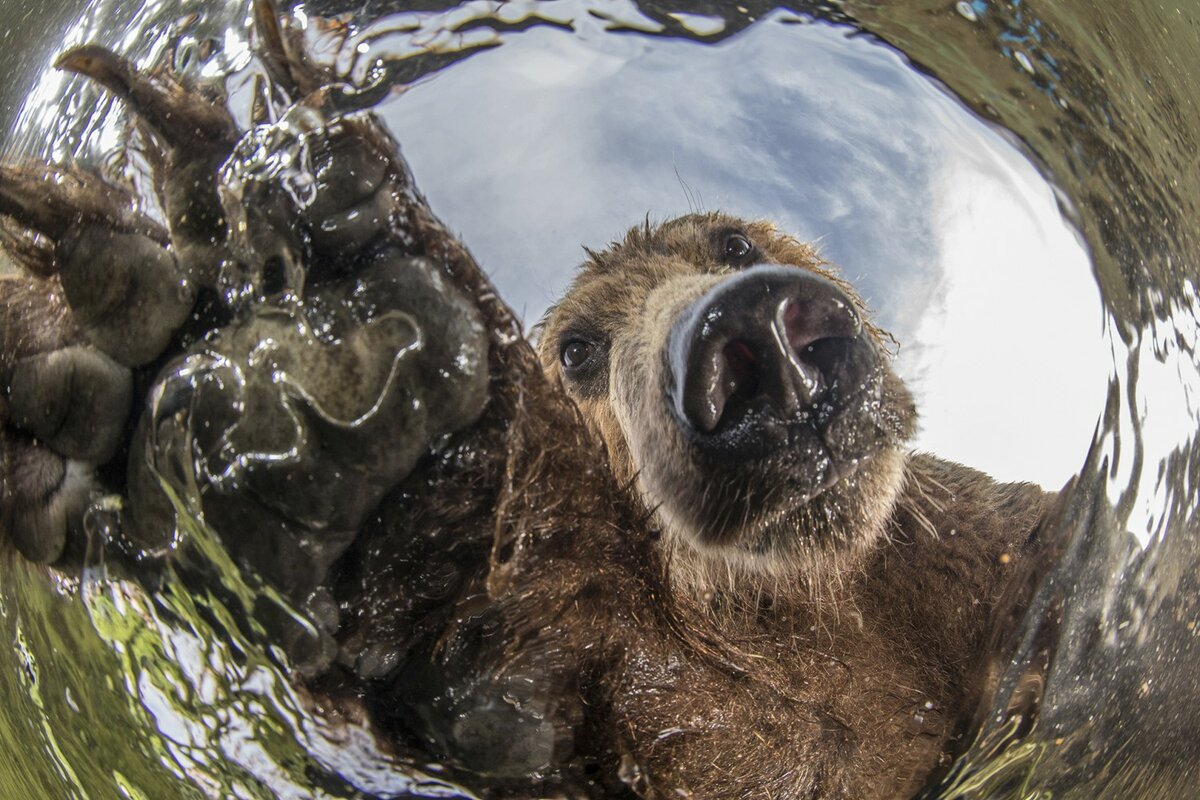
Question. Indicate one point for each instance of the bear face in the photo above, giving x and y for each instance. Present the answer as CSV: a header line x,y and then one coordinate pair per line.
x,y
736,381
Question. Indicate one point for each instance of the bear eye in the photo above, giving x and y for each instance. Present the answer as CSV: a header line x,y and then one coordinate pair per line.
x,y
576,352
737,249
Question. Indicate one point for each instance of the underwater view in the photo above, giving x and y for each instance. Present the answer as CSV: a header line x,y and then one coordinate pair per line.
x,y
1010,187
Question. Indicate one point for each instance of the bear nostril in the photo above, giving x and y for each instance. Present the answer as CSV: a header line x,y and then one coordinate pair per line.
x,y
824,354
720,373
818,332
805,323
741,368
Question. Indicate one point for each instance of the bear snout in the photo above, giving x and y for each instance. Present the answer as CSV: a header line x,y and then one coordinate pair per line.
x,y
761,352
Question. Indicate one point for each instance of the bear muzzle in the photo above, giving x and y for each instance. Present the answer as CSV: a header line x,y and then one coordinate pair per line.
x,y
763,353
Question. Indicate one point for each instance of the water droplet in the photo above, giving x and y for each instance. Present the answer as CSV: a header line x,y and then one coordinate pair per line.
x,y
629,771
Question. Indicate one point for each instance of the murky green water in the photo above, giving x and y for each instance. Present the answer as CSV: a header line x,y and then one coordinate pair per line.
x,y
1035,352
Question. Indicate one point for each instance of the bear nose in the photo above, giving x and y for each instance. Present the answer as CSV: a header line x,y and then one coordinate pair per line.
x,y
770,333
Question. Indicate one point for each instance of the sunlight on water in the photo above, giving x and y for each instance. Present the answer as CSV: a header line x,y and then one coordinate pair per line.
x,y
1020,360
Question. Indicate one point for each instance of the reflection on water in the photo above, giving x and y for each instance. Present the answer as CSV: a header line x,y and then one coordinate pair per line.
x,y
1030,359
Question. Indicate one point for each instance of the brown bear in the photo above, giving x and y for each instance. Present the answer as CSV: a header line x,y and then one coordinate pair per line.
x,y
750,588
747,402
686,555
